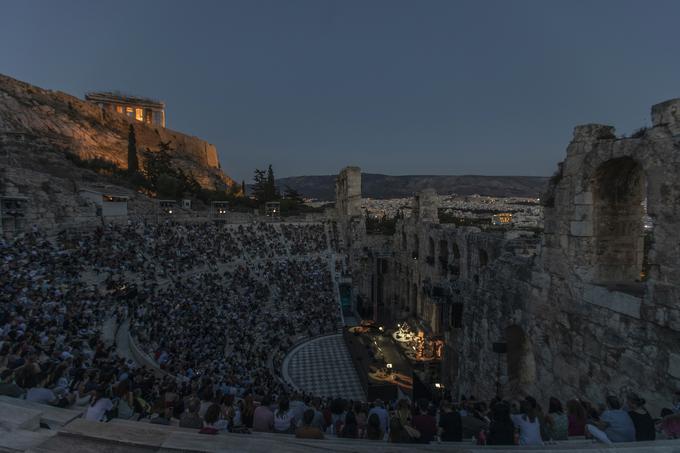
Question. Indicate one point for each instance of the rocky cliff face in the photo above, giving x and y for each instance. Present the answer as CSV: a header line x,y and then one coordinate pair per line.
x,y
81,127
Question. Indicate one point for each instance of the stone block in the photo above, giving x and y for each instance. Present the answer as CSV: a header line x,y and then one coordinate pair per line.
x,y
674,364
583,198
14,417
616,301
50,415
582,213
667,113
592,132
581,228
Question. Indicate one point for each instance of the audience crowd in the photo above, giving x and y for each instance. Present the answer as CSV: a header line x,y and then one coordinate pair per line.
x,y
217,307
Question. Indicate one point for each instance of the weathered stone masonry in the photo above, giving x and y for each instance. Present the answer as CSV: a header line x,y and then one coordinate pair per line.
x,y
589,307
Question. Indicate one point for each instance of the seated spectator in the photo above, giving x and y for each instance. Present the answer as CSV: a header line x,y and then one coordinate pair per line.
x,y
614,425
283,418
399,434
557,422
248,411
212,422
306,430
263,417
643,422
98,407
379,410
669,425
373,428
124,401
350,427
162,416
576,417
362,418
425,423
404,412
190,417
450,425
501,428
39,393
527,423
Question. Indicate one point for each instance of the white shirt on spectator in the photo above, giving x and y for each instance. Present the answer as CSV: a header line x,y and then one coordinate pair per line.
x,y
529,432
382,416
95,412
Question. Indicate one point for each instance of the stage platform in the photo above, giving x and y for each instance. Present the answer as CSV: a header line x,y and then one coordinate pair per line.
x,y
371,353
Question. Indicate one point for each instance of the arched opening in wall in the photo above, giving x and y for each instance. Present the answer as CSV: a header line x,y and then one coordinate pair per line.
x,y
444,256
455,265
521,366
404,242
430,252
416,247
619,212
483,258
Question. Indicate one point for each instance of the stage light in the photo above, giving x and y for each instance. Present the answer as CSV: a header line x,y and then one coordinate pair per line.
x,y
389,366
170,211
438,385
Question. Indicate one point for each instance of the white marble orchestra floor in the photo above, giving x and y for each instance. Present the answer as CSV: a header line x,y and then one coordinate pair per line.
x,y
323,367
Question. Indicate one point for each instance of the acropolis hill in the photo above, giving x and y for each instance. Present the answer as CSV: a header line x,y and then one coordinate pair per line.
x,y
34,119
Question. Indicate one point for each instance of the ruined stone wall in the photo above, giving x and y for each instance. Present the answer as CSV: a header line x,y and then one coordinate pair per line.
x,y
351,229
91,132
622,327
591,307
348,192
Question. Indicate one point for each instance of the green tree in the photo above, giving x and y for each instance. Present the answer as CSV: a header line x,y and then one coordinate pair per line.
x,y
264,186
260,186
271,192
133,163
164,178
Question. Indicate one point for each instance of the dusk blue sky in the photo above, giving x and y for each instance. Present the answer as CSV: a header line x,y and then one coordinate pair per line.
x,y
396,87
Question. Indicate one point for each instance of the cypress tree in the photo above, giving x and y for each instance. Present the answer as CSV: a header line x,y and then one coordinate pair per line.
x,y
133,163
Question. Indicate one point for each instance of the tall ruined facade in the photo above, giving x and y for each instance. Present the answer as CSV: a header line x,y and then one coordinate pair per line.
x,y
590,306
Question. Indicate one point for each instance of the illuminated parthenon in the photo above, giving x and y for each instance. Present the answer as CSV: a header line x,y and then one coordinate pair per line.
x,y
144,110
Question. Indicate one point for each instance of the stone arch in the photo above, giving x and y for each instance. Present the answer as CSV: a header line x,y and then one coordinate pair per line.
x,y
521,365
619,188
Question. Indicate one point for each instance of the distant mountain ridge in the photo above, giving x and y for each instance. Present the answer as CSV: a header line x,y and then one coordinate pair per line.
x,y
379,186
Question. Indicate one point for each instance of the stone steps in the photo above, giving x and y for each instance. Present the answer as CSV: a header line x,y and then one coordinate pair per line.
x,y
13,417
126,436
54,417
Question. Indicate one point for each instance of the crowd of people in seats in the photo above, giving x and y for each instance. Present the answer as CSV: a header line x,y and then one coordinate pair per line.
x,y
217,307
217,300
230,325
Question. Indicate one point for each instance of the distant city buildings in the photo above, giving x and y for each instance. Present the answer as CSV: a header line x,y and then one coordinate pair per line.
x,y
516,212
140,109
